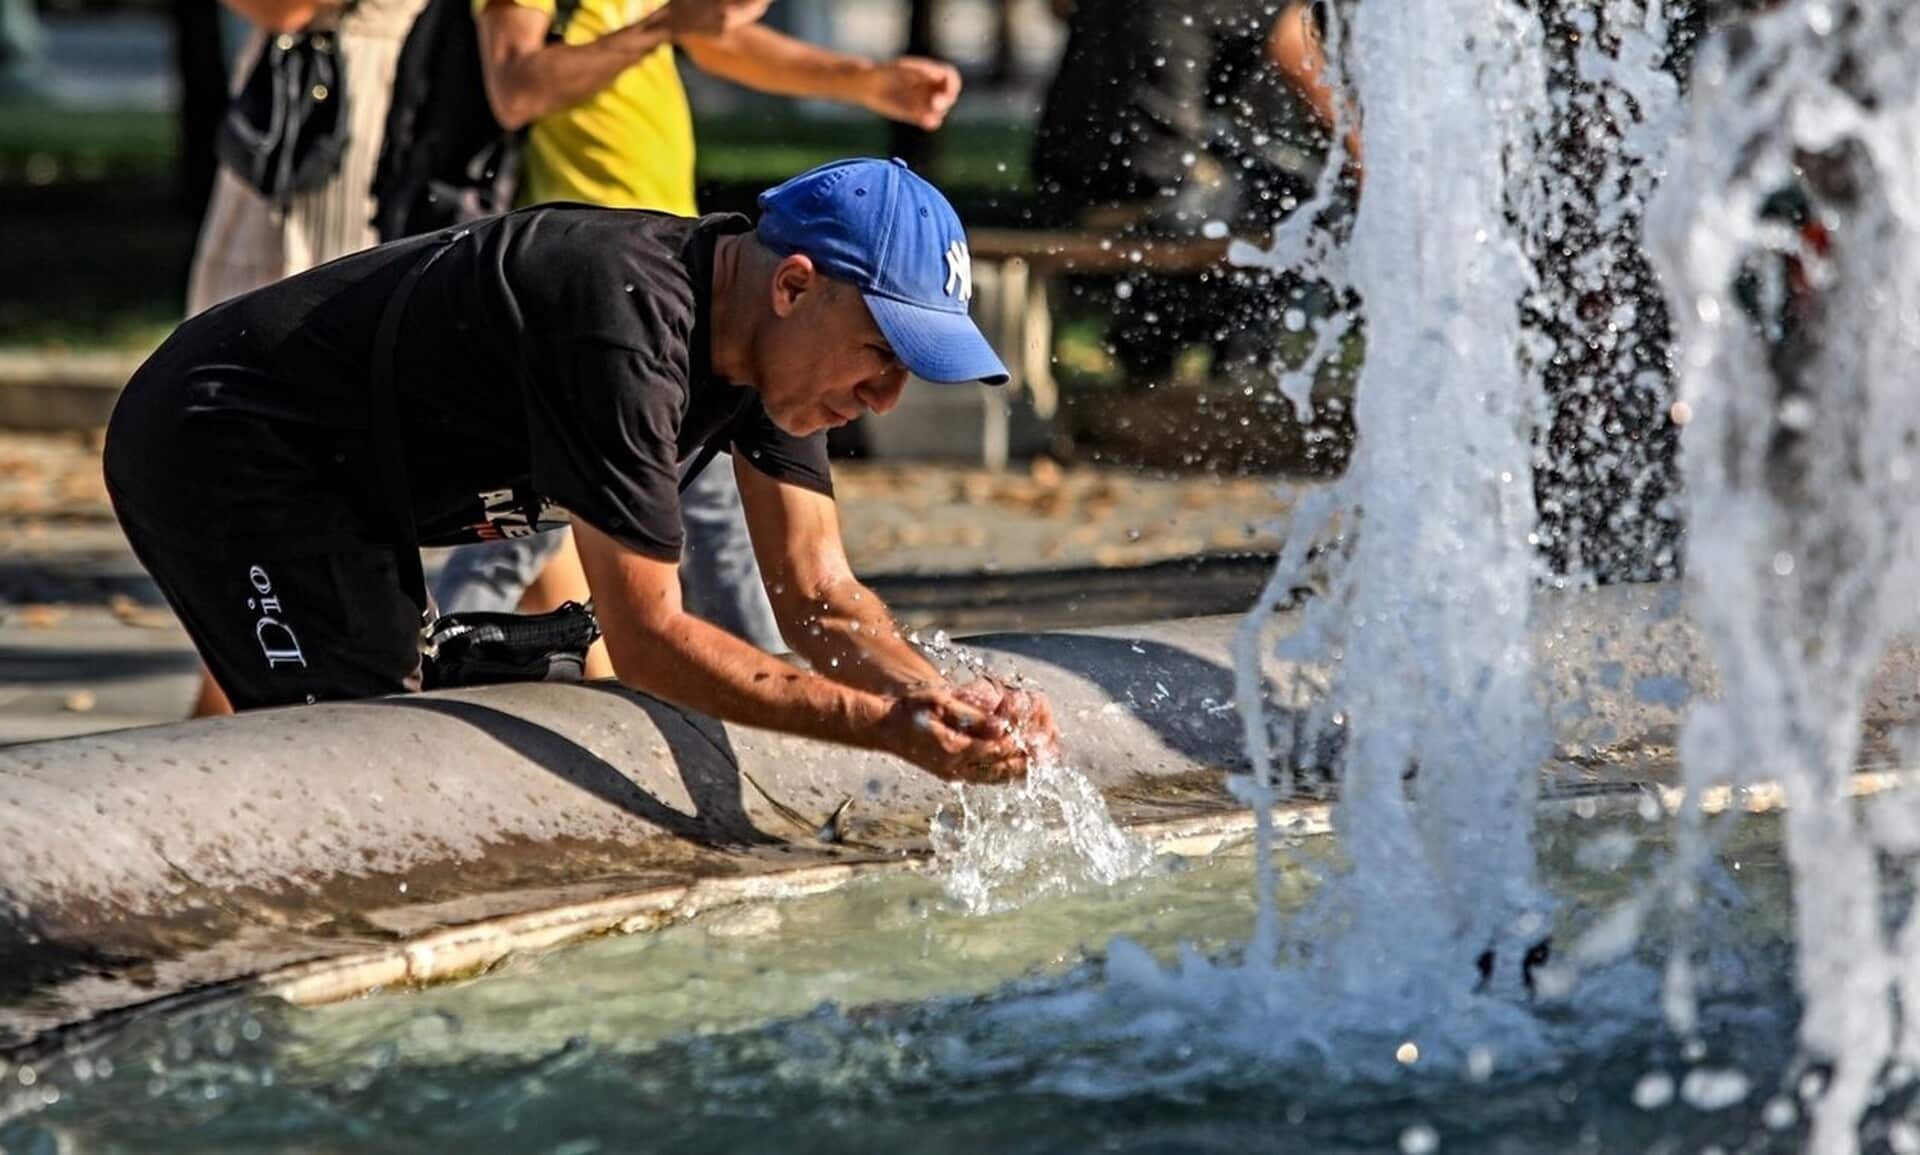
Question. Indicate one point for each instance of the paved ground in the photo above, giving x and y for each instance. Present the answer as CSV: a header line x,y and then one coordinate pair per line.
x,y
86,644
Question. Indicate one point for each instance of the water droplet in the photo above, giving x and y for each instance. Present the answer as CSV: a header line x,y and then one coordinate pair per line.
x,y
1653,1091
1812,1085
1780,1114
1710,1090
1480,1063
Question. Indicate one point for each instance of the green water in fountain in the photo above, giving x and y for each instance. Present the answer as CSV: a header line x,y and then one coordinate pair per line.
x,y
879,1017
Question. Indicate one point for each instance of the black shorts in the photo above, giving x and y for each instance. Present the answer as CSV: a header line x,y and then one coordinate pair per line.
x,y
285,624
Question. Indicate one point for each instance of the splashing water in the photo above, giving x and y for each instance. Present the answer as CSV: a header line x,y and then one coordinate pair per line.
x,y
1786,235
1421,633
1597,335
998,848
1785,239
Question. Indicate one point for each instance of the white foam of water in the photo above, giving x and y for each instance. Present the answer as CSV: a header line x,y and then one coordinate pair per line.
x,y
1796,371
1207,1022
1423,626
999,847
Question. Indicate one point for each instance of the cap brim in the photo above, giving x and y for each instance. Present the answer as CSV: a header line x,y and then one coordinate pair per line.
x,y
945,348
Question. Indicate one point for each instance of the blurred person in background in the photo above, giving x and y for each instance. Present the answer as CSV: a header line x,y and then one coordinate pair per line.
x,y
1185,118
609,125
247,241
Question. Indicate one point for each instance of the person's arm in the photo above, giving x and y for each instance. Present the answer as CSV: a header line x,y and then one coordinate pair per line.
x,y
275,16
841,626
528,78
660,649
912,89
1293,48
826,614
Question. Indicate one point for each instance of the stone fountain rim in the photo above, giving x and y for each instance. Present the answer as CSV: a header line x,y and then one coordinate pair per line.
x,y
453,953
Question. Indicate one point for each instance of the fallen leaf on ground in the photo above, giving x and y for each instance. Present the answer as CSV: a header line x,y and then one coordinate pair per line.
x,y
132,613
39,617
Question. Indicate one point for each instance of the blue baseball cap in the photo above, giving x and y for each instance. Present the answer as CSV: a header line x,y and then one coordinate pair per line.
x,y
877,225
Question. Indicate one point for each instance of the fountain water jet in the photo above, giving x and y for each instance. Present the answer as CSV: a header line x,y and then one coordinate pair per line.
x,y
1424,621
1786,235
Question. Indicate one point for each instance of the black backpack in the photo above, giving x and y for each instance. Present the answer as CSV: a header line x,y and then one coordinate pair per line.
x,y
445,159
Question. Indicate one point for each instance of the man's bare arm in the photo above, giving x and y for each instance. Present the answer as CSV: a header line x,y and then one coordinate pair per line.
x,y
528,78
659,648
825,613
1293,47
911,89
765,60
282,15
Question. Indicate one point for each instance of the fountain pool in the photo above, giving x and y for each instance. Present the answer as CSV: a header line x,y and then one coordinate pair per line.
x,y
883,1017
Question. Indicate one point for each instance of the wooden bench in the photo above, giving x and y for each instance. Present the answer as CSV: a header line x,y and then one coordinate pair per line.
x,y
1012,272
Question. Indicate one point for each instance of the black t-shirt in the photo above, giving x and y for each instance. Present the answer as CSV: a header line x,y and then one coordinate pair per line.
x,y
553,358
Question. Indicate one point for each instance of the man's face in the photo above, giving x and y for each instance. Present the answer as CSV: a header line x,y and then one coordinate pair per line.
x,y
822,361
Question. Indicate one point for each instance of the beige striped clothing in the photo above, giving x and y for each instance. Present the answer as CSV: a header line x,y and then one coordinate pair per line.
x,y
245,242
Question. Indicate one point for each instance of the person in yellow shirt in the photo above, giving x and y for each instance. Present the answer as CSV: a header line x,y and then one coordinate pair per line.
x,y
609,125
627,145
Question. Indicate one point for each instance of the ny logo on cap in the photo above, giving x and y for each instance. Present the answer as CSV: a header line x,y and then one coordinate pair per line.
x,y
959,272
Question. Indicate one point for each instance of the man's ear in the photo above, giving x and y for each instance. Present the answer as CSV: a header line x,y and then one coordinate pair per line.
x,y
793,278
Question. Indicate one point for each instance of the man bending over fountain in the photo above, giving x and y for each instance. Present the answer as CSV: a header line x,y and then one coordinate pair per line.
x,y
585,360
